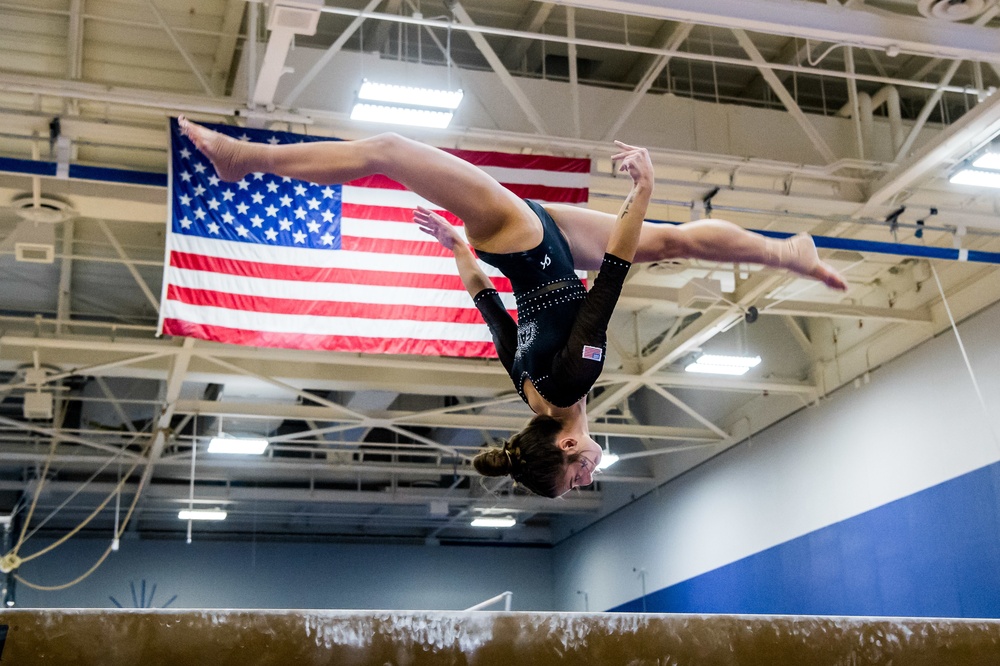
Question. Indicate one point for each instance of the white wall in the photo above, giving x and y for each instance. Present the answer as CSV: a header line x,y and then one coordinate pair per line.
x,y
918,423
208,574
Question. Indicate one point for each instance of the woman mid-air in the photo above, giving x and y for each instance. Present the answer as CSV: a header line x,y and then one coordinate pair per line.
x,y
555,352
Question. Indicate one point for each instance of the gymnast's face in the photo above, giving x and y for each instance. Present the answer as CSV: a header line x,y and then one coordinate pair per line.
x,y
586,456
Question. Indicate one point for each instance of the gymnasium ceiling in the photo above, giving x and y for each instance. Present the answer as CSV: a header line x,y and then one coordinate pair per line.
x,y
747,108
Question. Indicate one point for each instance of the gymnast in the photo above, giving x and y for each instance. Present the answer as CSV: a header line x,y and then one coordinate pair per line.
x,y
555,353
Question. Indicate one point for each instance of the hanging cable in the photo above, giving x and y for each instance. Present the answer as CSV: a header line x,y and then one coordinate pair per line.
x,y
82,486
965,356
10,558
83,524
100,560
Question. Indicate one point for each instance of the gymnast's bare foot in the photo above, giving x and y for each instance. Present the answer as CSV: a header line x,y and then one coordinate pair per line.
x,y
799,256
231,158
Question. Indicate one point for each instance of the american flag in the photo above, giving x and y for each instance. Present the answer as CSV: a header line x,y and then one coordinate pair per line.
x,y
276,262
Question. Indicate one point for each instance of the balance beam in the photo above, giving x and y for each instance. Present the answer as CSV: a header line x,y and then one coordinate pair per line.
x,y
361,638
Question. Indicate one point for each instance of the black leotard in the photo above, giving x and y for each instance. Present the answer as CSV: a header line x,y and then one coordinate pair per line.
x,y
560,338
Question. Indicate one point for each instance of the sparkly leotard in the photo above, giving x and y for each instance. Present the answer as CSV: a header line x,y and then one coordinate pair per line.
x,y
560,338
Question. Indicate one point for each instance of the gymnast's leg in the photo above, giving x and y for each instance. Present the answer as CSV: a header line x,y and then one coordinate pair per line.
x,y
712,240
496,220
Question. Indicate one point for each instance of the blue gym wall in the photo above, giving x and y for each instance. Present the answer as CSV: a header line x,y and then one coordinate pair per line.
x,y
882,500
207,574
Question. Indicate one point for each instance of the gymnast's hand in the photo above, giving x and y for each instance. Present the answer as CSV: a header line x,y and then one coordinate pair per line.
x,y
635,162
435,225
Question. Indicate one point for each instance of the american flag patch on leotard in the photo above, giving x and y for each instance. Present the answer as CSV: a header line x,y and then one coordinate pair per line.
x,y
593,353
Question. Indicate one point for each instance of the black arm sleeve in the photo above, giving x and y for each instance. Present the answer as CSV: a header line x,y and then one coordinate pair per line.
x,y
572,367
502,326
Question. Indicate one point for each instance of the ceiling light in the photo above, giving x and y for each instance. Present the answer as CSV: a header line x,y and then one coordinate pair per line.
x,y
401,115
425,97
202,514
607,460
714,364
977,177
988,161
237,446
494,521
406,105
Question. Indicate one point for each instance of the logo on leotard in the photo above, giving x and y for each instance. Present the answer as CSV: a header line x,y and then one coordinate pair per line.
x,y
545,262
592,353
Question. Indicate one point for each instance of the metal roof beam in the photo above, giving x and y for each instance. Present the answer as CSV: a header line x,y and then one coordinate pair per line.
x,y
807,20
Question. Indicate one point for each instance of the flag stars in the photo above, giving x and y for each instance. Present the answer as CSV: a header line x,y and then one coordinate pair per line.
x,y
272,187
285,224
313,204
213,204
257,221
274,141
327,216
185,153
186,223
243,184
213,180
300,213
242,208
257,197
228,195
242,231
213,228
328,192
228,217
243,137
286,179
313,226
285,201
185,200
300,190
327,239
185,176
200,214
199,167
199,190
299,237
271,234
271,211
258,175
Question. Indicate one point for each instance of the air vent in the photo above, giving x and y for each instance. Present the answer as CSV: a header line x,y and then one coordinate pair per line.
x,y
46,210
35,253
298,16
951,10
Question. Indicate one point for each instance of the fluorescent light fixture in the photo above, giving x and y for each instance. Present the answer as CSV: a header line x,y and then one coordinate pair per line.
x,y
237,446
494,521
977,177
987,161
715,364
405,105
202,514
607,460
407,95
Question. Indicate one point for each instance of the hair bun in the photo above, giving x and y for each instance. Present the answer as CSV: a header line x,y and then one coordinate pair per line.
x,y
492,462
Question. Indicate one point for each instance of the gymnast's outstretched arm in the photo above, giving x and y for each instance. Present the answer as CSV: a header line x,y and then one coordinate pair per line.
x,y
473,277
624,239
